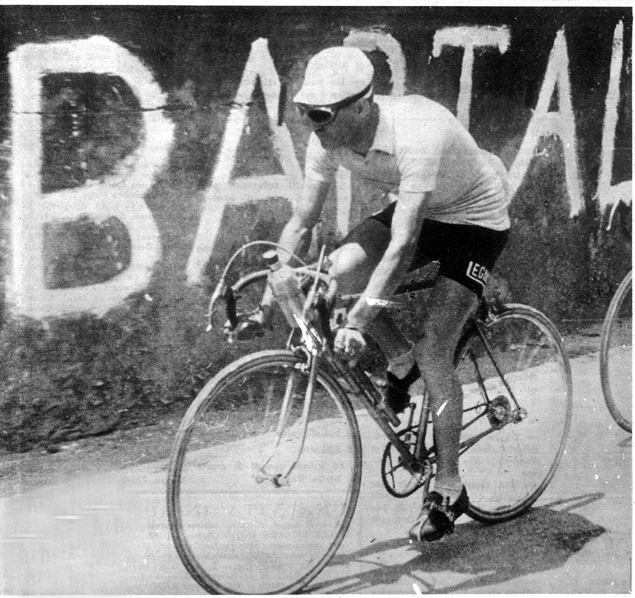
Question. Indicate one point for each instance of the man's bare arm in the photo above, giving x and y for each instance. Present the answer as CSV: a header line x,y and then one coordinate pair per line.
x,y
296,235
405,230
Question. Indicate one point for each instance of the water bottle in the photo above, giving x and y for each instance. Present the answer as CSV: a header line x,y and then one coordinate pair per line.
x,y
285,286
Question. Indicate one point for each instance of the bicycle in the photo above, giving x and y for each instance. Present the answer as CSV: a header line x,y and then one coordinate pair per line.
x,y
616,364
266,467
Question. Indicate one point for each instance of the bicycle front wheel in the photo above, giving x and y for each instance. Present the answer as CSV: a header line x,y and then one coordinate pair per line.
x,y
616,355
260,495
517,391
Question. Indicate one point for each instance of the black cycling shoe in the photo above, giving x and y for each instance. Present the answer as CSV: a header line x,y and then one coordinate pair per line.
x,y
397,395
437,517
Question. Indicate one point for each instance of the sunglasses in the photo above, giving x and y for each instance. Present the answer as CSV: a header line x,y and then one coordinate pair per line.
x,y
324,115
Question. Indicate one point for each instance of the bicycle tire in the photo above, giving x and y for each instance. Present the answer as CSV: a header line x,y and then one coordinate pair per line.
x,y
222,523
617,323
508,469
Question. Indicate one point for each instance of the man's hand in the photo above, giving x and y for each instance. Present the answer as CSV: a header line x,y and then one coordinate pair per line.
x,y
251,326
350,343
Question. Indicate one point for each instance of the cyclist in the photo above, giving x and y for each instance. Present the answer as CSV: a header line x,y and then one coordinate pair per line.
x,y
449,204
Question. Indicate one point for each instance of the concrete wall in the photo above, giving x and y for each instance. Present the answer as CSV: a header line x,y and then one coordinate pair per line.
x,y
142,145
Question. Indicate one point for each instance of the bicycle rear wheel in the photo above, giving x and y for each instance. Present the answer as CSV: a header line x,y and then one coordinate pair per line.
x,y
519,396
616,355
238,524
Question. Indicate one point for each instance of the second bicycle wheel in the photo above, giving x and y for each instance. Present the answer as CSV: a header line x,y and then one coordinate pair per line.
x,y
616,355
243,517
517,393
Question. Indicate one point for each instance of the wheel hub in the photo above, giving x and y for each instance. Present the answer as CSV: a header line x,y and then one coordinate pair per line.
x,y
499,411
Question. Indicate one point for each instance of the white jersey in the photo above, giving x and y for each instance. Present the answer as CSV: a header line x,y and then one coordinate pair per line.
x,y
420,146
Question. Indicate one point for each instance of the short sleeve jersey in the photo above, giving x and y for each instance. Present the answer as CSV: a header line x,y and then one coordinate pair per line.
x,y
419,147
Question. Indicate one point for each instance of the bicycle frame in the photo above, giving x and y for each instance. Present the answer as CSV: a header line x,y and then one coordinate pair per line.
x,y
285,416
317,349
419,462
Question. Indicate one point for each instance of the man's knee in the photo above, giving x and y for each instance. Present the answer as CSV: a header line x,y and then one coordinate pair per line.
x,y
353,263
447,312
351,267
371,236
434,351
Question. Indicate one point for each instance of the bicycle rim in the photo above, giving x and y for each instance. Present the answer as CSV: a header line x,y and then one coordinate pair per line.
x,y
237,531
509,468
616,355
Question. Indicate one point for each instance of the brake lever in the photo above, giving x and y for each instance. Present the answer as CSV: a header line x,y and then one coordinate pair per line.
x,y
230,307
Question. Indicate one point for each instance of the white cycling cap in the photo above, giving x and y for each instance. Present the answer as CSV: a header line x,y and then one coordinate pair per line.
x,y
335,74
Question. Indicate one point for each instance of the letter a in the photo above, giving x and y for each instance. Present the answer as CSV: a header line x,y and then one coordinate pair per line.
x,y
223,191
31,209
544,123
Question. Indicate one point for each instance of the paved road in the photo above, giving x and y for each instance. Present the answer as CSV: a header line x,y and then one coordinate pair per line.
x,y
109,534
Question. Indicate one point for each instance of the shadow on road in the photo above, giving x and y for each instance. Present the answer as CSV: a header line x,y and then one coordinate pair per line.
x,y
626,442
541,540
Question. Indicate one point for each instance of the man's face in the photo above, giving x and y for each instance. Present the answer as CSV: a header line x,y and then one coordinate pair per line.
x,y
339,132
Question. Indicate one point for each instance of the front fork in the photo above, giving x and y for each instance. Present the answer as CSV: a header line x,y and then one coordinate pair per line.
x,y
313,353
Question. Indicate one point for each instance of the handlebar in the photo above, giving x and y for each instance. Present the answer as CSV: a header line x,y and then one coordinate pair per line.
x,y
229,293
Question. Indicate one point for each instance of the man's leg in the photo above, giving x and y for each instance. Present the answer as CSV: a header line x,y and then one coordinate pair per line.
x,y
449,307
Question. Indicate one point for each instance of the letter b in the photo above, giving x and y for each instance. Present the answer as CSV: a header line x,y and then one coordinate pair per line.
x,y
31,209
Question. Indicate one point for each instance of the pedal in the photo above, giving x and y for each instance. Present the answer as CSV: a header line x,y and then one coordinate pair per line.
x,y
279,481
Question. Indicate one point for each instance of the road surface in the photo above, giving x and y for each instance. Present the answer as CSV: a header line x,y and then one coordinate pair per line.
x,y
108,534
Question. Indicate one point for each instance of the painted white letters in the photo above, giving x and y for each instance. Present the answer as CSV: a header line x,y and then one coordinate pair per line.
x,y
608,194
469,38
223,191
544,123
369,41
121,195
32,209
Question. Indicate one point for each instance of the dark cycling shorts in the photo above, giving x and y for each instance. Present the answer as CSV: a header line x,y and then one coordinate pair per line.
x,y
466,253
